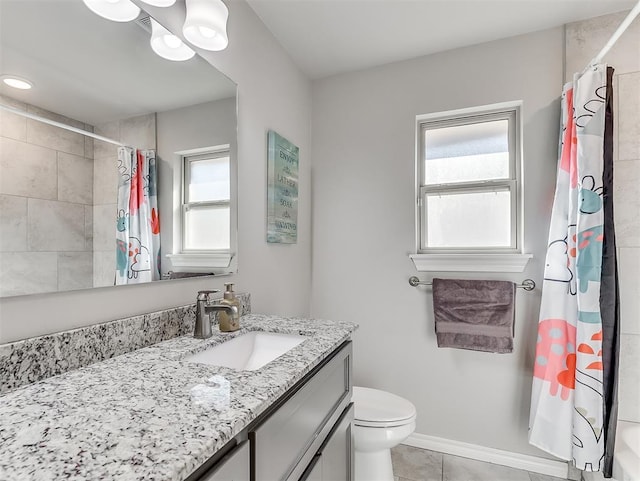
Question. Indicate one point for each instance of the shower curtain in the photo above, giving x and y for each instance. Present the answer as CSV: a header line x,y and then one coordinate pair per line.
x,y
572,398
137,223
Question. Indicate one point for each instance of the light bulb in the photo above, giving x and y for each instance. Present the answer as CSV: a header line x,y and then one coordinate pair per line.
x,y
116,10
172,41
160,3
167,45
207,32
205,25
17,82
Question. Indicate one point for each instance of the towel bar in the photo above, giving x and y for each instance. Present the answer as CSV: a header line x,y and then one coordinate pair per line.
x,y
527,284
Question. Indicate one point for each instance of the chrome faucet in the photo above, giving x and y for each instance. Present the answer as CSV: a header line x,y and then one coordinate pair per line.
x,y
203,314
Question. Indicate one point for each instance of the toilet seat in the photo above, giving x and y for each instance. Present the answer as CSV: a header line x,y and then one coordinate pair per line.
x,y
381,409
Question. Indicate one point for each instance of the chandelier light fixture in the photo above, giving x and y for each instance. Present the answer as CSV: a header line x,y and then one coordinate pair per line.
x,y
205,25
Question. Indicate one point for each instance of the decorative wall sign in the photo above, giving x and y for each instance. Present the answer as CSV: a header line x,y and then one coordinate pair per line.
x,y
282,191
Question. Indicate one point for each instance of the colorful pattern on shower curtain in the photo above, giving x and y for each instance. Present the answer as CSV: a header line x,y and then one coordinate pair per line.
x,y
567,397
137,223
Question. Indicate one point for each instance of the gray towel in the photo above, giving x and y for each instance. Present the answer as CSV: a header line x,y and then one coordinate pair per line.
x,y
474,314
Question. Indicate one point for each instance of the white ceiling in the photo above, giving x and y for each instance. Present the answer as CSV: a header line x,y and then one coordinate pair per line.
x,y
326,37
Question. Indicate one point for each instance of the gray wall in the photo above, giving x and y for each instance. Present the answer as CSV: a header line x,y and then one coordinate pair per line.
x,y
272,94
363,211
197,126
584,40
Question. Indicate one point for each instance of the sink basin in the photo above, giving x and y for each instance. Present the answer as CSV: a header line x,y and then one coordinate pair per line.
x,y
249,351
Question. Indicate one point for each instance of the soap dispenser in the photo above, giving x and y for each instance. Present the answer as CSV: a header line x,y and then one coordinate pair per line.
x,y
226,321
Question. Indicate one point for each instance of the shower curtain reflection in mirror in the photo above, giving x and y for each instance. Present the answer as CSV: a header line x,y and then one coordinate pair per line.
x,y
137,220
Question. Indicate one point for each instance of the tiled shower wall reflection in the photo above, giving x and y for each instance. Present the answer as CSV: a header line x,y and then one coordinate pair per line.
x,y
584,40
46,204
58,200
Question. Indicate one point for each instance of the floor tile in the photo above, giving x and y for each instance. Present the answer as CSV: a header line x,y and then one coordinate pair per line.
x,y
462,469
628,268
628,120
625,197
629,373
416,464
543,477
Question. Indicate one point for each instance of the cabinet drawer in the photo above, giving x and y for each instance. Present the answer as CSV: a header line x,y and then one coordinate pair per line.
x,y
233,467
281,445
337,453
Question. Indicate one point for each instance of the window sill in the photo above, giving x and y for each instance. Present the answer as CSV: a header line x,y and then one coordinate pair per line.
x,y
201,262
470,262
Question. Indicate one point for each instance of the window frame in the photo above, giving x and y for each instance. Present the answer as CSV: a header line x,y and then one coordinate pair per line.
x,y
510,111
221,261
185,159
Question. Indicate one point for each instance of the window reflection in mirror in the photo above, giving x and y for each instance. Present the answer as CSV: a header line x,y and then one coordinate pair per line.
x,y
58,188
206,201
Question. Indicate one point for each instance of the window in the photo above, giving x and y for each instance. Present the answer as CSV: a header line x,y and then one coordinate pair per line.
x,y
206,204
468,181
204,211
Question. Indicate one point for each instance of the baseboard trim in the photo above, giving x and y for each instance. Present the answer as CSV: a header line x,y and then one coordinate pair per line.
x,y
527,462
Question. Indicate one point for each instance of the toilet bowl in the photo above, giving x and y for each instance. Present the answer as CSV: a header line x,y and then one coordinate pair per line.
x,y
381,421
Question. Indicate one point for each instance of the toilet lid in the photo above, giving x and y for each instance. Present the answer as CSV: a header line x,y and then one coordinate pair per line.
x,y
375,406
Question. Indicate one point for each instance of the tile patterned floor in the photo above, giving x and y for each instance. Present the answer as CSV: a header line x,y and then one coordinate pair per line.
x,y
414,464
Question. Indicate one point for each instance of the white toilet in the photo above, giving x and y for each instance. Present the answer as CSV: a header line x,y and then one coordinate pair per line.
x,y
382,420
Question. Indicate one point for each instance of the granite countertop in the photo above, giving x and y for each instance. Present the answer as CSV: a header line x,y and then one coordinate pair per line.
x,y
148,414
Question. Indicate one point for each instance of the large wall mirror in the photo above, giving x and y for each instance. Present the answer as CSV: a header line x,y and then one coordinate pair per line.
x,y
59,205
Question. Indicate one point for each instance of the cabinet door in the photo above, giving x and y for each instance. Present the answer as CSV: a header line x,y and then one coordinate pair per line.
x,y
314,471
233,467
337,453
284,444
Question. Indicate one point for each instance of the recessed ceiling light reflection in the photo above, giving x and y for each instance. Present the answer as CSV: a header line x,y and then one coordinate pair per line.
x,y
17,82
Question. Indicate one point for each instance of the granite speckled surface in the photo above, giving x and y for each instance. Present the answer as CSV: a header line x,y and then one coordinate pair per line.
x,y
149,415
30,360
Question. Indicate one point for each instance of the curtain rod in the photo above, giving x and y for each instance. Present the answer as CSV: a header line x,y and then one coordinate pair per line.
x,y
616,35
60,124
